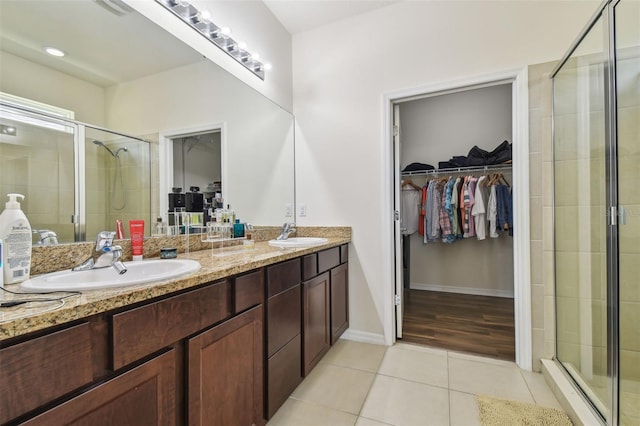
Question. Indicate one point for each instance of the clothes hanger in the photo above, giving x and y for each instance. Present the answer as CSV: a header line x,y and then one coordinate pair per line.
x,y
411,184
503,179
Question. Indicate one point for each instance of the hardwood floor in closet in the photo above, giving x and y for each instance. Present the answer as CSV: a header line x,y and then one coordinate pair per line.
x,y
480,325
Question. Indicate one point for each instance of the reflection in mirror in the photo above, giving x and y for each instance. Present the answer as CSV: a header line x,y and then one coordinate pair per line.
x,y
37,161
118,181
125,73
71,191
197,162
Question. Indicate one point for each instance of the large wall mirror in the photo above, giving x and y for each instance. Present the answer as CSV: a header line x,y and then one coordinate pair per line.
x,y
123,72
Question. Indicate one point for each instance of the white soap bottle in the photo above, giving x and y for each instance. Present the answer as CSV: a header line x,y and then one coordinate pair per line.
x,y
15,232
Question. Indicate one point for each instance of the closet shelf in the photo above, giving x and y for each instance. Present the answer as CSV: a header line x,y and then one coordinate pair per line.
x,y
492,168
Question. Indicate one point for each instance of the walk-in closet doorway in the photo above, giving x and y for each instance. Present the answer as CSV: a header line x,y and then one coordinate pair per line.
x,y
470,274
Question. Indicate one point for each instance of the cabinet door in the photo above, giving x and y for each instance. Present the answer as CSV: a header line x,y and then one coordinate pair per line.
x,y
315,296
225,384
144,395
339,301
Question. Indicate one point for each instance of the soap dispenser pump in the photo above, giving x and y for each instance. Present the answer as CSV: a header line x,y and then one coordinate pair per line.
x,y
15,231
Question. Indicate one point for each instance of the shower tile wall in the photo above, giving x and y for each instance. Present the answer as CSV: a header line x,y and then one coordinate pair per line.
x,y
580,209
100,169
628,89
38,163
541,202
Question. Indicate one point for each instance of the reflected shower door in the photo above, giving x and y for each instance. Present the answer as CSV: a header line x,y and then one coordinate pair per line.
x,y
580,216
118,181
627,32
37,160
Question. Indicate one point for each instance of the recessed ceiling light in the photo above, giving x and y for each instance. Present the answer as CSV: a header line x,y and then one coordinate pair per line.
x,y
54,52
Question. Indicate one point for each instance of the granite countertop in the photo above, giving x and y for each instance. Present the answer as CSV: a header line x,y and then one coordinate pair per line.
x,y
20,320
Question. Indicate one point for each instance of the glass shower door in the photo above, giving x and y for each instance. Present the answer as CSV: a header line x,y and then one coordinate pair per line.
x,y
581,217
627,36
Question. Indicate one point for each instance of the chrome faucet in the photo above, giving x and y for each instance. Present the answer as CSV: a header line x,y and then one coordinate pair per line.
x,y
104,255
47,237
287,229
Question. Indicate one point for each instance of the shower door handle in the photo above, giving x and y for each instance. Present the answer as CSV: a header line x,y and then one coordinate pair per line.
x,y
622,215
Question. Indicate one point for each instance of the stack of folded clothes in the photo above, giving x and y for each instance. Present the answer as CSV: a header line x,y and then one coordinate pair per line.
x,y
418,167
480,157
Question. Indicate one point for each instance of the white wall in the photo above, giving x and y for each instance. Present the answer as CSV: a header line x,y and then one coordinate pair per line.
x,y
251,22
258,135
27,79
341,72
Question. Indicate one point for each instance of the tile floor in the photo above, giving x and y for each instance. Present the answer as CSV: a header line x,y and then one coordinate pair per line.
x,y
404,385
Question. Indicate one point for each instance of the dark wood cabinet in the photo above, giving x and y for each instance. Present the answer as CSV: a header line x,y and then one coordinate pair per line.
x,y
228,352
225,373
141,331
283,341
144,395
41,369
316,320
284,374
339,301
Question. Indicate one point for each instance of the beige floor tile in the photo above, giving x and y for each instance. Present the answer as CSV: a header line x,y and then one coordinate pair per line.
x,y
463,409
363,421
296,413
361,356
343,389
483,378
400,402
541,392
483,359
419,364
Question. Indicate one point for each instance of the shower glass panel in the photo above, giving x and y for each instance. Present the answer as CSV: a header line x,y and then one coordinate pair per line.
x,y
627,36
580,217
118,181
37,160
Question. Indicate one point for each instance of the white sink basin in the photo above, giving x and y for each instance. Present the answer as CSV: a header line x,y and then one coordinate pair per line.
x,y
297,242
137,273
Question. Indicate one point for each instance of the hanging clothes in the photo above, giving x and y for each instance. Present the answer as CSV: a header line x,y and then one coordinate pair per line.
x,y
472,200
410,211
423,212
504,209
436,199
479,209
493,213
445,213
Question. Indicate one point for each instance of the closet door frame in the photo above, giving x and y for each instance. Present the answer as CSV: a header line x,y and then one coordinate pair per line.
x,y
521,239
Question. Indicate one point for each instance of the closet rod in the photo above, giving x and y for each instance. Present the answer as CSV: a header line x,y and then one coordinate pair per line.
x,y
495,168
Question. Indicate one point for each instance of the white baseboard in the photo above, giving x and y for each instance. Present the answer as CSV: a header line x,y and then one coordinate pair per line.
x,y
463,290
363,337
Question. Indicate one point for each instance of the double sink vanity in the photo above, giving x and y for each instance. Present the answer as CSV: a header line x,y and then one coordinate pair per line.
x,y
225,345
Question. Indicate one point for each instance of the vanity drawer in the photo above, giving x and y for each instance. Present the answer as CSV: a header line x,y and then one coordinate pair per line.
x,y
284,374
344,253
283,276
39,370
248,290
309,266
144,330
328,259
283,319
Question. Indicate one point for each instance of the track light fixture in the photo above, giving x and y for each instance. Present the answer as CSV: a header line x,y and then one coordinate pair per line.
x,y
200,20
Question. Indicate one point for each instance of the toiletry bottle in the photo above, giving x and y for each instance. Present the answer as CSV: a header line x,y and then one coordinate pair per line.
x,y
249,243
160,229
15,231
238,229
